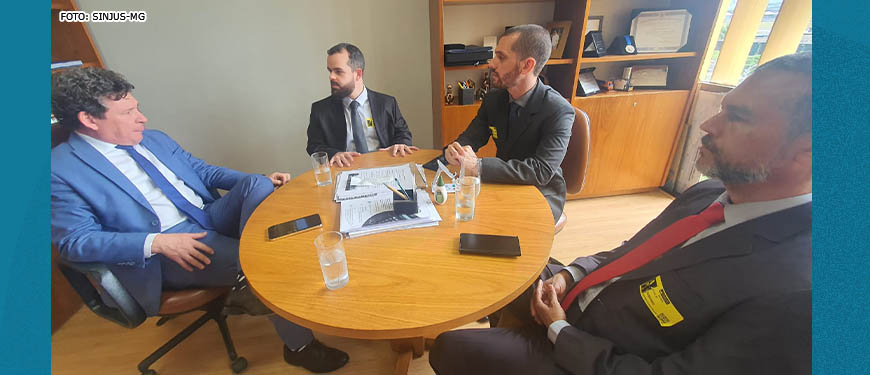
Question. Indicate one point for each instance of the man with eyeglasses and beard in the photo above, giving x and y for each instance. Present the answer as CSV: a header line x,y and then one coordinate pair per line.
x,y
355,120
529,121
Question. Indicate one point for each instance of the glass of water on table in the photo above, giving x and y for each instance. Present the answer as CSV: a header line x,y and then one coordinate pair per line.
x,y
471,167
333,260
322,174
465,194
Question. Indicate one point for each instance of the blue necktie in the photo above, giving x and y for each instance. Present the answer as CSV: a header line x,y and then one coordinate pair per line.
x,y
193,212
359,135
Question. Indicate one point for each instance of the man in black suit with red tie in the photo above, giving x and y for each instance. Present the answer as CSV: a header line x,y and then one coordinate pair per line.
x,y
719,283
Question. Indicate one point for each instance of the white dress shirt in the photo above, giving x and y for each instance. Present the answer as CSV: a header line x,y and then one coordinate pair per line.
x,y
365,111
734,214
167,213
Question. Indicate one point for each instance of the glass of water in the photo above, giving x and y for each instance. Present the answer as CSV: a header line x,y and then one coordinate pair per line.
x,y
470,167
320,162
333,261
466,192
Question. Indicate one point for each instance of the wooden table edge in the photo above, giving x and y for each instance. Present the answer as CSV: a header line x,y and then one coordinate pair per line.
x,y
403,333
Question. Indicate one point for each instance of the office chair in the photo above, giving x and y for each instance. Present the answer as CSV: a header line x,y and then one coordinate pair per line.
x,y
576,160
89,279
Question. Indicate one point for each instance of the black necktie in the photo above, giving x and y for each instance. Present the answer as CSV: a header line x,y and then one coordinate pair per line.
x,y
359,135
514,125
183,205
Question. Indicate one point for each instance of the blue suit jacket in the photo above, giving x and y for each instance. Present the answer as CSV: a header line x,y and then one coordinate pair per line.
x,y
98,215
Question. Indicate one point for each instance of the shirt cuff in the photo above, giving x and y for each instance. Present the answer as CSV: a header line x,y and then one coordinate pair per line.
x,y
555,328
149,239
575,272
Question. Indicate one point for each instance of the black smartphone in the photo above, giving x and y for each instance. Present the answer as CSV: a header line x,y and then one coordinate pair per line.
x,y
294,226
432,165
489,244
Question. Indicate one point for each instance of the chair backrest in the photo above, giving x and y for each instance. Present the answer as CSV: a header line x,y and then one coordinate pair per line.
x,y
576,159
85,278
59,135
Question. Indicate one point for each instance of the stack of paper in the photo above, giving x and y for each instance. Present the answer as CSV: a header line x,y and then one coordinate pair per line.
x,y
364,216
366,183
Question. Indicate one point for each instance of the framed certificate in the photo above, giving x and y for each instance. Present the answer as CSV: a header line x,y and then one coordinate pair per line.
x,y
661,31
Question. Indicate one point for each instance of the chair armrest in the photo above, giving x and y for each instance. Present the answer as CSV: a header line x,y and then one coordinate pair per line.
x,y
84,276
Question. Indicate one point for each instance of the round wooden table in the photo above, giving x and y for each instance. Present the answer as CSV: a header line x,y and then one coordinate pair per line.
x,y
404,285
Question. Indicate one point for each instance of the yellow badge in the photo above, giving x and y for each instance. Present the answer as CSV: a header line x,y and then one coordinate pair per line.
x,y
370,123
653,294
494,132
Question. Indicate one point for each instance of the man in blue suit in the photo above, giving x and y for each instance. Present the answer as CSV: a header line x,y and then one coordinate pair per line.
x,y
134,200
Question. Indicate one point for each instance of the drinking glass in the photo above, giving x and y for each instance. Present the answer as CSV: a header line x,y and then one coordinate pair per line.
x,y
466,192
471,167
333,261
322,174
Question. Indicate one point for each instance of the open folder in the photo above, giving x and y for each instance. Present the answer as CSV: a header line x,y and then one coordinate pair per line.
x,y
364,216
364,183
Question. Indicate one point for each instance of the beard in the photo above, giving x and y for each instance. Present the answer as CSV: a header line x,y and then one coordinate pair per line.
x,y
728,172
507,81
342,91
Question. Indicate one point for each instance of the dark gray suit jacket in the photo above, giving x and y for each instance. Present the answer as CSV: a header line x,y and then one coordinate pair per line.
x,y
532,156
744,294
327,128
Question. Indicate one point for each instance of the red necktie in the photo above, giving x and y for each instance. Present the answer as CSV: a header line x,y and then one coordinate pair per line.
x,y
660,243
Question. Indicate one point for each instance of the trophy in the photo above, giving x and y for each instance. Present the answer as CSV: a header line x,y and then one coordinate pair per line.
x,y
484,86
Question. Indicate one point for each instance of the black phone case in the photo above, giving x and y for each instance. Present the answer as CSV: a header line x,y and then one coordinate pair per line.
x,y
488,244
432,165
272,237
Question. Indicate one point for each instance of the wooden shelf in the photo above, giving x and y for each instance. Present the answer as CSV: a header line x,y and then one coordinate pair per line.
x,y
559,61
476,104
634,92
486,66
483,2
467,67
639,56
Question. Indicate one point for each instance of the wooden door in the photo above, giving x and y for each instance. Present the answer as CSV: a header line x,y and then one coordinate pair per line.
x,y
632,137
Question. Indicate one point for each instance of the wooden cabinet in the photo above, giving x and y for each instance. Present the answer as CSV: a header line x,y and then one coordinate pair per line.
x,y
455,119
632,136
633,133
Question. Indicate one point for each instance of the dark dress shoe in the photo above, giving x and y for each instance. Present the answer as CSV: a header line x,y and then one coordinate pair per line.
x,y
316,357
243,301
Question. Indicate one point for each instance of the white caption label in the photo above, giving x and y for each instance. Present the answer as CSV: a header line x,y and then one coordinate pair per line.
x,y
103,16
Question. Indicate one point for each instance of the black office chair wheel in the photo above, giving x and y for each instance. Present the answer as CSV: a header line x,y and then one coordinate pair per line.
x,y
149,372
239,365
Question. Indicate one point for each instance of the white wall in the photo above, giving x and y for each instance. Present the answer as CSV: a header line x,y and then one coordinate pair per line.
x,y
233,81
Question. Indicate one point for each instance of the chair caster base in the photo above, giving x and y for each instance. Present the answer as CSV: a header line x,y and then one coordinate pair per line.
x,y
239,364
